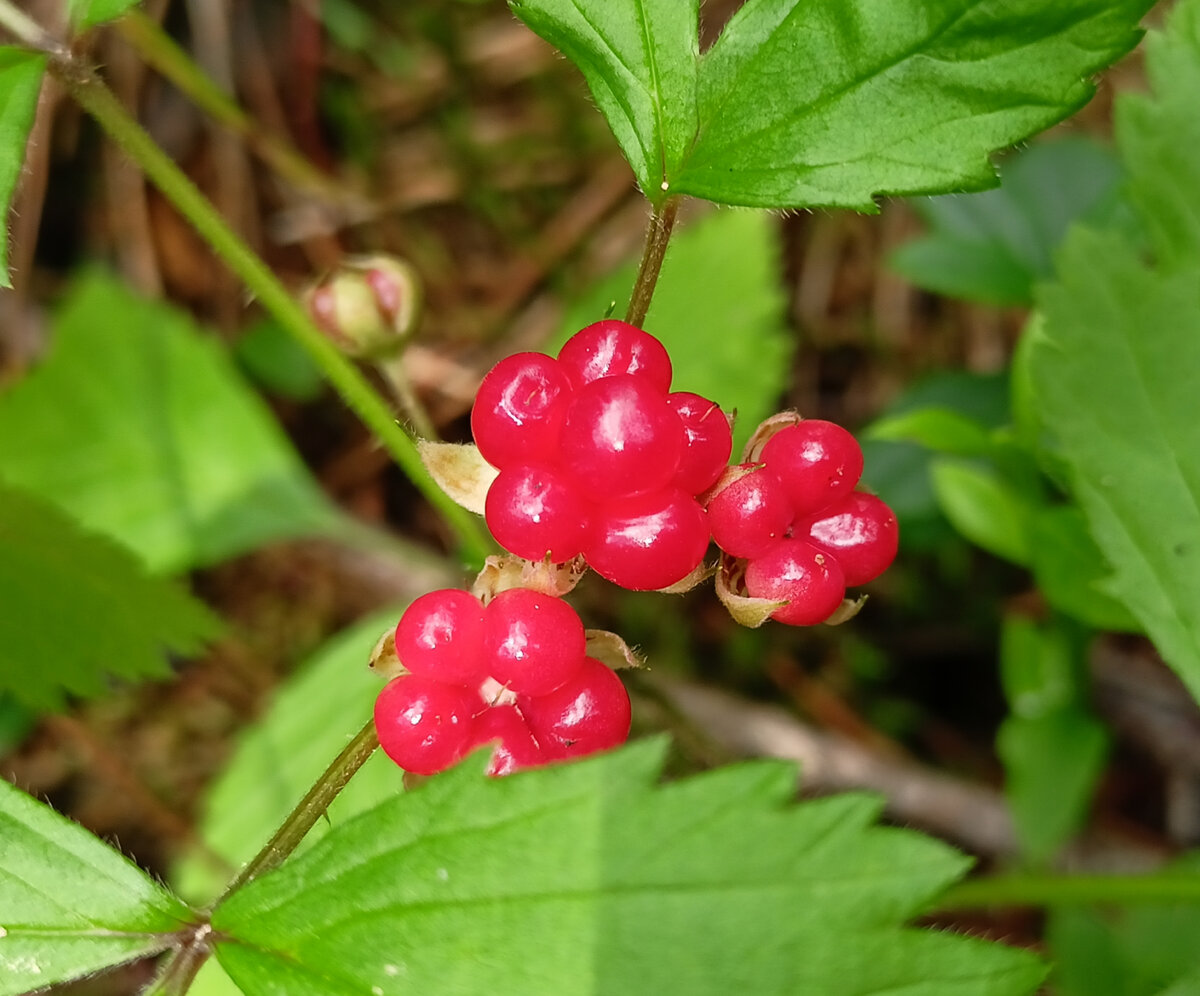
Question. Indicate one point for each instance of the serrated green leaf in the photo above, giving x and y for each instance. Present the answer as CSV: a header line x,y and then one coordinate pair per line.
x,y
639,58
1147,950
88,13
313,716
70,904
992,246
1114,368
984,507
20,83
1052,747
141,429
586,879
719,311
78,608
800,104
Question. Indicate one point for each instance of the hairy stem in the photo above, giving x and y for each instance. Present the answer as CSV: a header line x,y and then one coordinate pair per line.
x,y
310,809
179,970
1051,889
658,236
91,93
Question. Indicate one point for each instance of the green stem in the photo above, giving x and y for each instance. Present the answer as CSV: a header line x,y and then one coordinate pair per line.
x,y
159,50
355,389
310,809
658,237
1050,889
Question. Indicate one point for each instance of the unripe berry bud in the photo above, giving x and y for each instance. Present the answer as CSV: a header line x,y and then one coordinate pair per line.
x,y
368,306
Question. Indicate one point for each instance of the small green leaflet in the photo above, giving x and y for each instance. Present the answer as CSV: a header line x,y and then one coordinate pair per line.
x,y
312,718
1114,364
20,83
69,904
78,607
87,13
141,428
829,103
719,311
587,878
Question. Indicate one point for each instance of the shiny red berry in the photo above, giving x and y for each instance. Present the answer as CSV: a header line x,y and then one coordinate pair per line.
x,y
534,642
709,441
860,531
611,347
817,461
440,636
809,579
591,712
648,541
750,514
513,745
519,410
425,725
534,510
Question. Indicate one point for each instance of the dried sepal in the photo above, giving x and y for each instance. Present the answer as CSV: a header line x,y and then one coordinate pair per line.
x,y
752,453
384,660
460,471
697,575
610,649
849,608
729,476
745,609
506,571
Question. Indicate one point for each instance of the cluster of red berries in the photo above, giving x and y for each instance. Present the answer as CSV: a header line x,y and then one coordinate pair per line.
x,y
597,457
514,673
795,519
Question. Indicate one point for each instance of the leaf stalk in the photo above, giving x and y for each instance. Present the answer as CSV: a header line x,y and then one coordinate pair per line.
x,y
658,237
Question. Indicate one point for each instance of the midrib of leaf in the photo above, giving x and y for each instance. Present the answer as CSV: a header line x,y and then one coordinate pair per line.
x,y
656,96
806,110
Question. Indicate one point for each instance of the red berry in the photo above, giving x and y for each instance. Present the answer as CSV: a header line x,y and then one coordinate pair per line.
x,y
590,712
535,642
440,636
809,579
621,438
612,347
709,441
860,531
534,510
648,541
519,409
425,725
817,462
750,514
514,747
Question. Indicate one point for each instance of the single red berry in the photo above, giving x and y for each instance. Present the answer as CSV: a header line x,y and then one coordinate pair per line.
x,y
751,514
440,636
612,347
519,409
590,712
709,441
620,438
648,541
514,747
534,642
425,725
817,461
808,578
534,510
860,531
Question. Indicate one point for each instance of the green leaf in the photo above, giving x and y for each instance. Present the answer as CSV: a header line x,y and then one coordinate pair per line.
x,y
1053,749
278,759
992,246
88,13
1114,369
1148,950
70,904
276,361
78,607
985,507
718,309
140,428
20,83
938,429
1159,139
639,59
585,878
